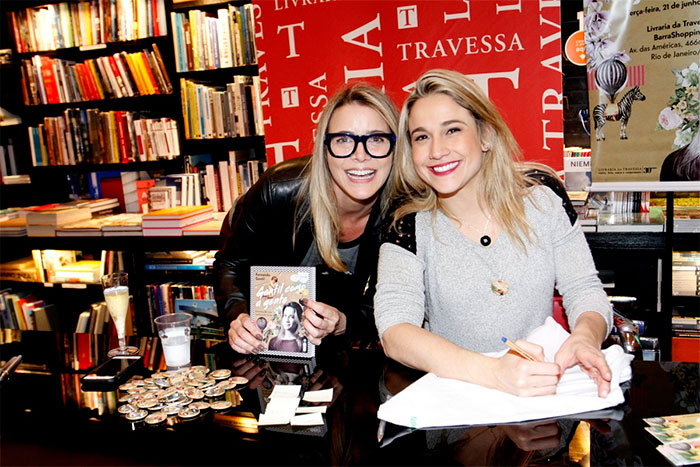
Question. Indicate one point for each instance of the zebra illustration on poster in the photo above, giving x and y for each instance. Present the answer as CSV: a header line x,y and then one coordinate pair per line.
x,y
623,114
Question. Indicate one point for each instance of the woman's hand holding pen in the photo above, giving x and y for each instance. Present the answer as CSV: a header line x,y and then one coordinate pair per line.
x,y
321,320
517,375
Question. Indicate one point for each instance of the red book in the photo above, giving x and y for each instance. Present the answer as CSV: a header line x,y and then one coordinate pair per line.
x,y
145,66
49,78
122,135
154,9
112,187
142,187
83,350
90,81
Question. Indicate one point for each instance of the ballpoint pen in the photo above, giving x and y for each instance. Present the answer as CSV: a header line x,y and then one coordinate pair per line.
x,y
9,367
380,430
517,349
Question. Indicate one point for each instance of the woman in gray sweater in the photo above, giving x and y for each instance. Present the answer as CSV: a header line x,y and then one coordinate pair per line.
x,y
477,249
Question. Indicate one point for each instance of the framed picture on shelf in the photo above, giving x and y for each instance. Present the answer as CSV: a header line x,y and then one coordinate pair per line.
x,y
275,307
205,318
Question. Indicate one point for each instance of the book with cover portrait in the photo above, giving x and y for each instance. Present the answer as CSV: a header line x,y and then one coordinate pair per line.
x,y
276,309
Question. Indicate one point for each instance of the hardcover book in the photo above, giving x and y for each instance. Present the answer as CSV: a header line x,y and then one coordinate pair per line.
x,y
275,307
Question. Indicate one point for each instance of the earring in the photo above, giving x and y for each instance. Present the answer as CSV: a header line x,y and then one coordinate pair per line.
x,y
486,147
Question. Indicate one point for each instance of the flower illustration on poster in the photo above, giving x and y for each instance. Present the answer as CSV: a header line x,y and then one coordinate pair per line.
x,y
681,113
599,46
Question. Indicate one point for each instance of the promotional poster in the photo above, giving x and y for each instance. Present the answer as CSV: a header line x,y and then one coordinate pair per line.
x,y
309,49
643,69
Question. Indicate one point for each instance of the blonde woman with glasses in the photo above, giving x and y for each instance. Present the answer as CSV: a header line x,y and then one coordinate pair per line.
x,y
323,210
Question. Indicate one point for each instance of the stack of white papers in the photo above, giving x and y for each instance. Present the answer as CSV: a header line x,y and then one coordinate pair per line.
x,y
283,407
439,402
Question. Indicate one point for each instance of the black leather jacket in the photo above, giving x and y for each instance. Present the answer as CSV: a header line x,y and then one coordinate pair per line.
x,y
258,232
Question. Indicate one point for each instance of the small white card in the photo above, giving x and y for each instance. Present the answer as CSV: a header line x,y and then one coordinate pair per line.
x,y
324,395
267,418
312,409
285,390
310,419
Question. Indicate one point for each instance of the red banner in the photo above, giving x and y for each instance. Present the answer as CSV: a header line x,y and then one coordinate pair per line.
x,y
308,49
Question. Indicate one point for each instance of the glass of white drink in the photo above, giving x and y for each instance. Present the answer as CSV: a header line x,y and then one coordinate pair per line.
x,y
116,291
174,333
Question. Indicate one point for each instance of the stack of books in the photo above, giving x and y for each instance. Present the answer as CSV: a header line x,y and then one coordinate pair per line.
x,y
20,270
14,227
122,225
170,222
212,227
83,272
42,221
85,228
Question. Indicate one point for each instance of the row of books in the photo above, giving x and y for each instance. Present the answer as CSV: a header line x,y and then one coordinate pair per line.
x,y
115,225
173,221
686,274
191,297
182,189
86,23
97,320
227,180
8,160
24,311
222,111
47,80
203,40
93,136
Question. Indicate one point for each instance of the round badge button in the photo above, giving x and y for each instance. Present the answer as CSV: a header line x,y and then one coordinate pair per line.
x,y
156,418
138,414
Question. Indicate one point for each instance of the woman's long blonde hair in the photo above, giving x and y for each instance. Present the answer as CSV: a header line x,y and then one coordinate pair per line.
x,y
503,181
316,199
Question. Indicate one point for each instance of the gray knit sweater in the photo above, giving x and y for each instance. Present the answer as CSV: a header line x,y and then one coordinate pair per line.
x,y
446,286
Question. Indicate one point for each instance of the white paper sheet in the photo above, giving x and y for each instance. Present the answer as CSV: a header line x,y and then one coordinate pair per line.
x,y
434,402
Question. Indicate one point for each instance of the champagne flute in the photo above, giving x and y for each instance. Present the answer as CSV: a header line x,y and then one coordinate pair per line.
x,y
116,290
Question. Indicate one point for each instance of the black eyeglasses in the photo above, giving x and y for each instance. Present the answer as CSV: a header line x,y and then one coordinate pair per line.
x,y
377,145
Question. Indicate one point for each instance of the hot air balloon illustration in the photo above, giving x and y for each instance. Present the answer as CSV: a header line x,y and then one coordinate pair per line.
x,y
611,76
261,323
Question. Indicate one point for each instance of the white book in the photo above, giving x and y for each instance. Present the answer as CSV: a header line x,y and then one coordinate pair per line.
x,y
210,186
225,185
174,137
83,322
197,183
224,28
104,62
3,165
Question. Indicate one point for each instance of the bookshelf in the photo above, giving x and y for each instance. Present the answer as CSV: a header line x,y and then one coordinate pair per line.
x,y
76,46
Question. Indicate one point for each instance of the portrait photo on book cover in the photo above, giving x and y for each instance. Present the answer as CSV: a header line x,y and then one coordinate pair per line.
x,y
275,307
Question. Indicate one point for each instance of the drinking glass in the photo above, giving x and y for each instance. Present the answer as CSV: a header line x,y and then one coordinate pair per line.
x,y
116,290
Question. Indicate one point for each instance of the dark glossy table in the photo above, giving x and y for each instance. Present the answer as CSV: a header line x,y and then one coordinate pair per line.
x,y
46,419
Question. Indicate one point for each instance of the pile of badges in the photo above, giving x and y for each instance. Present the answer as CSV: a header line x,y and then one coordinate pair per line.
x,y
186,394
